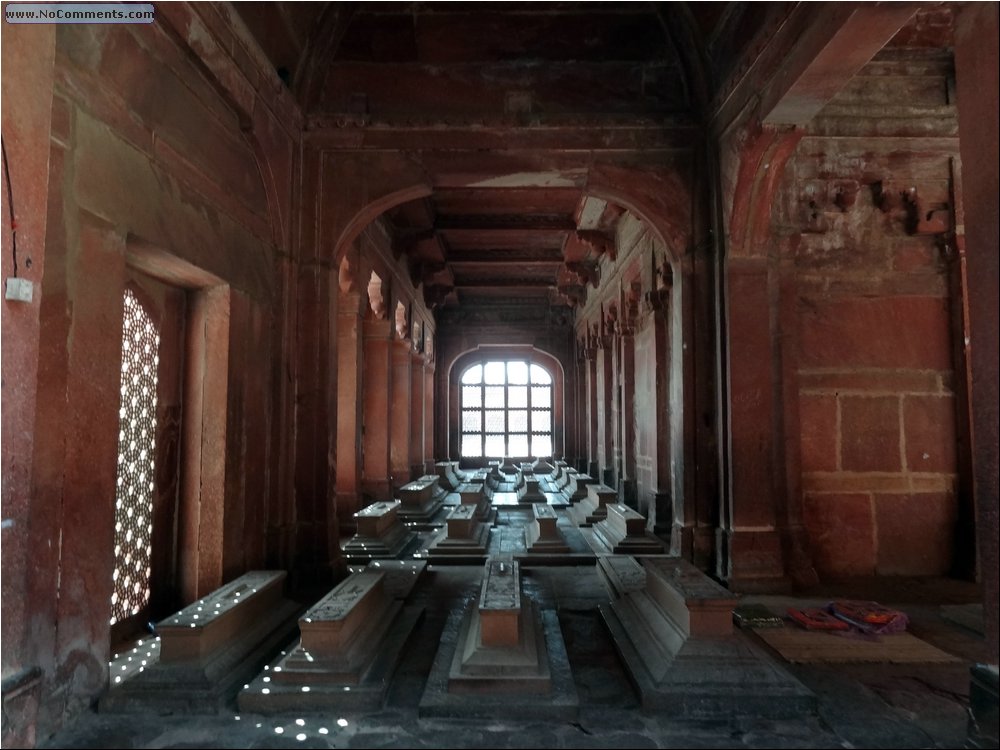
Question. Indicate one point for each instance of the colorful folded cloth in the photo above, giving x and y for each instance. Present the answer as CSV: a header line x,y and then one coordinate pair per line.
x,y
814,618
869,617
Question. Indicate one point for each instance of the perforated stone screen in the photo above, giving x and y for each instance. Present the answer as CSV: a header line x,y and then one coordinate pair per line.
x,y
136,444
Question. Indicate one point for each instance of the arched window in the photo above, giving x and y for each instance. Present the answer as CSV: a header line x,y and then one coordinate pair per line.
x,y
506,410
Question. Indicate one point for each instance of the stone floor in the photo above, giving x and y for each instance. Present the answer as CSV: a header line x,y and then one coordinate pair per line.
x,y
869,705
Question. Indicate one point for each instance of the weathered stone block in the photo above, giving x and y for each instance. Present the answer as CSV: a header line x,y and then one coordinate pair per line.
x,y
818,420
841,532
869,433
929,430
914,532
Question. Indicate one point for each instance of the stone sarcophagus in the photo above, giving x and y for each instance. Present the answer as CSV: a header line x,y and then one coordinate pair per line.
x,y
541,535
351,641
421,499
380,534
594,507
211,647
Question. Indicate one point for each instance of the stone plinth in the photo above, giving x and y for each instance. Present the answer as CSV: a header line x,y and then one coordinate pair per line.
x,y
675,637
380,533
542,535
351,641
501,657
421,500
210,648
594,507
623,532
464,534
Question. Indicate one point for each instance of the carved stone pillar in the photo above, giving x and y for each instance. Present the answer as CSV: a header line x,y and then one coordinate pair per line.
x,y
399,413
350,340
418,414
976,76
429,457
590,363
378,336
668,521
626,380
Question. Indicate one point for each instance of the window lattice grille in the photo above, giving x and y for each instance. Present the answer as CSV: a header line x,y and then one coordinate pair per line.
x,y
136,444
506,410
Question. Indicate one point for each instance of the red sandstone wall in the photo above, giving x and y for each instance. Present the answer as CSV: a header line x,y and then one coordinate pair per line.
x,y
875,316
155,166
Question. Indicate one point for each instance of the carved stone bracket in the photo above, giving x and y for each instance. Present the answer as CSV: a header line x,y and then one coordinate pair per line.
x,y
600,243
574,294
657,301
435,295
918,215
586,272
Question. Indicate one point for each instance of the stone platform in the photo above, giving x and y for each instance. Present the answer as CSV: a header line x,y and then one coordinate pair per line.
x,y
501,656
861,705
676,638
210,648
